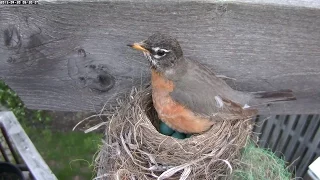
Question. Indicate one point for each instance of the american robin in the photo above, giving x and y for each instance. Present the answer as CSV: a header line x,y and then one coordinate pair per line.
x,y
189,97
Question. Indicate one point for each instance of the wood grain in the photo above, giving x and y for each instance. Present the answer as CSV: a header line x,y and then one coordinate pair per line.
x,y
297,3
26,149
71,56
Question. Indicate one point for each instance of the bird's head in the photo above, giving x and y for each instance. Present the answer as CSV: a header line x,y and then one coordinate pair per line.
x,y
162,51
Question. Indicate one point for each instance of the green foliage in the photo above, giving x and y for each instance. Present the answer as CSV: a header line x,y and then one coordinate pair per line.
x,y
258,163
68,154
12,102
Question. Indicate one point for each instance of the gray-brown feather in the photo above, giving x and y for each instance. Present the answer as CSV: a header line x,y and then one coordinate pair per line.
x,y
197,90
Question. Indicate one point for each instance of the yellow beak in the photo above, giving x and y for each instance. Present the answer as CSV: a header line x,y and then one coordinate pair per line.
x,y
138,46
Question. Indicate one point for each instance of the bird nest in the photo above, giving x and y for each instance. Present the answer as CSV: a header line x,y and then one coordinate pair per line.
x,y
133,148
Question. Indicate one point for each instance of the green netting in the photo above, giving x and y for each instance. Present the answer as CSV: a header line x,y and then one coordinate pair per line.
x,y
257,163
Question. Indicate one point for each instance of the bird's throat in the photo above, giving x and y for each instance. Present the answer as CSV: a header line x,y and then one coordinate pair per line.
x,y
159,82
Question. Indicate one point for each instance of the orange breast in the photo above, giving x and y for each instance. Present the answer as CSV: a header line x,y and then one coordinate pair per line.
x,y
175,115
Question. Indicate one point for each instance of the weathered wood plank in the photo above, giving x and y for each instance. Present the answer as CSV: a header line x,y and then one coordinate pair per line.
x,y
30,155
263,47
297,3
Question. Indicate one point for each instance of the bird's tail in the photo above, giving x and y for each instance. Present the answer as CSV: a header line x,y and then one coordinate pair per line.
x,y
263,97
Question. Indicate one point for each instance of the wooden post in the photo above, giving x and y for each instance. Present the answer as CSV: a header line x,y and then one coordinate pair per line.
x,y
26,149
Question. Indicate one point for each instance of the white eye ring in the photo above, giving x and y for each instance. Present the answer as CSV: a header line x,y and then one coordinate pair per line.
x,y
156,49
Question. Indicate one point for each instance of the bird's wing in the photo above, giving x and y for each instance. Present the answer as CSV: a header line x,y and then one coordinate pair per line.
x,y
207,95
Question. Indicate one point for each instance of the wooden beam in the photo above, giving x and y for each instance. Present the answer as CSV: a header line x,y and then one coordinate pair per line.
x,y
71,56
296,3
21,141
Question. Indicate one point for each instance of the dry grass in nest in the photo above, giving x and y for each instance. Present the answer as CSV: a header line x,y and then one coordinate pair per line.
x,y
134,149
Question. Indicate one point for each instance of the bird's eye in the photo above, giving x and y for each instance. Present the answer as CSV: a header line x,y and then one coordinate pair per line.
x,y
158,52
161,52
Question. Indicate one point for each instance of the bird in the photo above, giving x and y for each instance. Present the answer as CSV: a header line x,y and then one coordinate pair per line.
x,y
191,98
